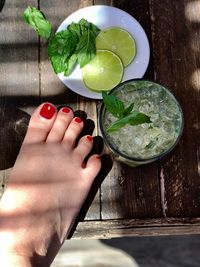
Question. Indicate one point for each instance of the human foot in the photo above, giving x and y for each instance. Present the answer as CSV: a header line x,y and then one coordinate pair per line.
x,y
48,184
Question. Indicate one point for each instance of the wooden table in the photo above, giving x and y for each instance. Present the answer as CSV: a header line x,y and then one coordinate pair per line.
x,y
162,198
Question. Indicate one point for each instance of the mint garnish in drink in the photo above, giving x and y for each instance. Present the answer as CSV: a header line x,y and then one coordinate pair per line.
x,y
125,115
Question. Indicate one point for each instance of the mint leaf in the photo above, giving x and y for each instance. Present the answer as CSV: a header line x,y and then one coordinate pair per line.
x,y
86,48
128,109
138,118
75,27
37,20
94,29
84,25
70,64
113,104
134,118
60,49
74,44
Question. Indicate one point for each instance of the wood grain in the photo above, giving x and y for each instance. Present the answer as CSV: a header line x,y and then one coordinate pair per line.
x,y
176,65
132,192
149,227
19,78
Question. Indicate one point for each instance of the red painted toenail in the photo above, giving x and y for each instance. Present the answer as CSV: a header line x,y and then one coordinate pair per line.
x,y
47,111
89,137
66,110
77,119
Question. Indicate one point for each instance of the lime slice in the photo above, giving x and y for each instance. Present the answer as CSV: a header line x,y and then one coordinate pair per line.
x,y
118,41
103,72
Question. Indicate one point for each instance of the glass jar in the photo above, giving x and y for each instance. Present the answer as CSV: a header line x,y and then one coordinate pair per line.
x,y
147,142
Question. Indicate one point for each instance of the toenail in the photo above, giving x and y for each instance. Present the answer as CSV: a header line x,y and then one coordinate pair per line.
x,y
66,110
77,119
89,137
47,111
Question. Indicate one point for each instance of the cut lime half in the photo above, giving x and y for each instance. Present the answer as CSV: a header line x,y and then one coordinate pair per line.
x,y
118,41
103,72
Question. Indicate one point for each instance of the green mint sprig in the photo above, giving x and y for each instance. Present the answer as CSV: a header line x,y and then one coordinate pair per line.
x,y
125,115
75,44
37,20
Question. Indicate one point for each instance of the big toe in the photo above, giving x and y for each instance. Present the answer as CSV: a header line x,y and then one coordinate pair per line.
x,y
41,123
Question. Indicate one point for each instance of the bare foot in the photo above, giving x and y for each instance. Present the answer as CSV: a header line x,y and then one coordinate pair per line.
x,y
48,184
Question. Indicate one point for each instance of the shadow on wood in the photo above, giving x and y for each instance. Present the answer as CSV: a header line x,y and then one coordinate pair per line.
x,y
13,126
2,2
160,251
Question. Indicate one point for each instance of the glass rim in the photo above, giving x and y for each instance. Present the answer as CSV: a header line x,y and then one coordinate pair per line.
x,y
158,156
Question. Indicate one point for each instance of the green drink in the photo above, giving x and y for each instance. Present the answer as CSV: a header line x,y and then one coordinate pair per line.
x,y
144,143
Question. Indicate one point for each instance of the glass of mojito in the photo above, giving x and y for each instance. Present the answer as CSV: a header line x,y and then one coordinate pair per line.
x,y
148,124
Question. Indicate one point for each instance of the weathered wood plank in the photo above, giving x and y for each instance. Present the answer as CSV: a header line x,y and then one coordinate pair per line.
x,y
124,228
52,88
102,2
175,31
19,79
132,192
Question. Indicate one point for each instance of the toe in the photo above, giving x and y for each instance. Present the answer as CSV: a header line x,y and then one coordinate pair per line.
x,y
63,119
83,148
92,168
72,133
41,123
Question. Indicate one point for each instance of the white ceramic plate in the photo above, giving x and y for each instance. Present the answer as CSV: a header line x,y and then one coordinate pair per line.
x,y
104,17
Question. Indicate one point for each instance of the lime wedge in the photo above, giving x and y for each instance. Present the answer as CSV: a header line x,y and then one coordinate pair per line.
x,y
118,41
103,72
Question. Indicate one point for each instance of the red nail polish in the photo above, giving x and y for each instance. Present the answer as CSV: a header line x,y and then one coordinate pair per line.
x,y
47,111
89,137
77,119
66,110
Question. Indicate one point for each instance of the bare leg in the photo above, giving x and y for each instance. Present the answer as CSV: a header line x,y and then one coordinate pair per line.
x,y
47,186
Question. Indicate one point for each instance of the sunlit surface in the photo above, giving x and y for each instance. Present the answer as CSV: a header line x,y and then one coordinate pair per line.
x,y
192,14
91,253
195,79
192,11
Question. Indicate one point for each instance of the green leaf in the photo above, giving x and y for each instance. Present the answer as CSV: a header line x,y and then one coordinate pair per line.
x,y
113,104
138,118
70,65
75,27
94,29
128,109
85,25
134,118
60,50
86,48
37,20
65,48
